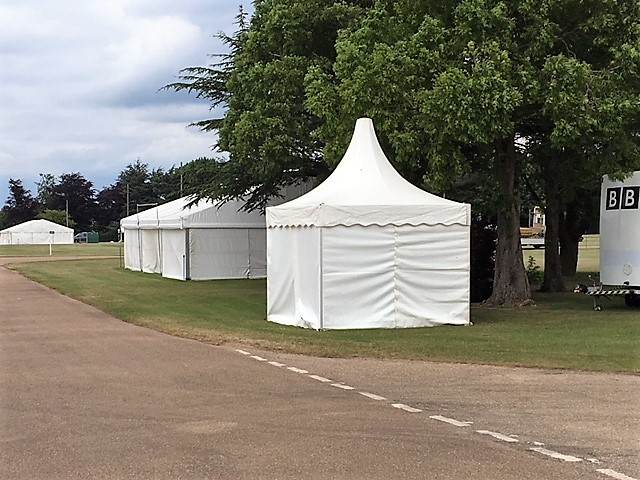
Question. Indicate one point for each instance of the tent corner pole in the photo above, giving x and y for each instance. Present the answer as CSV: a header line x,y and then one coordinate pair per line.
x,y
140,247
187,255
321,281
248,253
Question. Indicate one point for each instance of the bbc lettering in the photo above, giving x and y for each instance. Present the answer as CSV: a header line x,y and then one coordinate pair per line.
x,y
625,198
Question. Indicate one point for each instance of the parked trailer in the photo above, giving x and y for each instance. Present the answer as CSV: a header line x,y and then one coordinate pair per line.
x,y
619,242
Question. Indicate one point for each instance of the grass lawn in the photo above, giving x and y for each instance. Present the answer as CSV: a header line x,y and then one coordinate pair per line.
x,y
561,331
77,249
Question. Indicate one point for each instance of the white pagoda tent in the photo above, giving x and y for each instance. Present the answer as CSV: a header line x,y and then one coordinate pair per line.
x,y
367,249
36,232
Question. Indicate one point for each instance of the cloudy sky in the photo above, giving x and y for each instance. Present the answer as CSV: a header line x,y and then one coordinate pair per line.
x,y
79,84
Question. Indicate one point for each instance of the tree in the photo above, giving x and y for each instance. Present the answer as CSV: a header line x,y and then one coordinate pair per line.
x,y
267,128
146,186
56,216
111,201
458,87
80,195
581,212
443,88
591,113
45,190
20,206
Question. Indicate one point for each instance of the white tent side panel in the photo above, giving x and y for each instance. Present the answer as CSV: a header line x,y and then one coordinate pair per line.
x,y
218,253
395,276
59,238
620,231
369,277
257,252
293,282
214,253
432,271
132,249
151,251
173,254
358,277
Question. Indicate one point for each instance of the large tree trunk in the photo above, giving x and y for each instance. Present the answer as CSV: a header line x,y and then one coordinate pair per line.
x,y
552,267
570,233
510,282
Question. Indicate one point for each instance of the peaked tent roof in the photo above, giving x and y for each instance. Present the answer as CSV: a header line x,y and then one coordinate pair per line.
x,y
365,189
204,214
38,226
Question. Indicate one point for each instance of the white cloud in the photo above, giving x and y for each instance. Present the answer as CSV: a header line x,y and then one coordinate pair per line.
x,y
80,78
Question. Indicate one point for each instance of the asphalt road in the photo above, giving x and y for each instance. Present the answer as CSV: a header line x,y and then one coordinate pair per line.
x,y
84,395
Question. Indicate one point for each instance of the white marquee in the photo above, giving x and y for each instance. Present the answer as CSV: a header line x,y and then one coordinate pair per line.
x,y
36,232
367,249
197,242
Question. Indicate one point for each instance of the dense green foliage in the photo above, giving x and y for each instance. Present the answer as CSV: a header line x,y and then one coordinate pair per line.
x,y
57,216
445,80
19,207
267,128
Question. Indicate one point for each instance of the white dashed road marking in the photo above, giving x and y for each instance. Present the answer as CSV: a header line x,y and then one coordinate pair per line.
x,y
614,474
372,396
499,436
342,386
297,370
451,421
406,408
559,456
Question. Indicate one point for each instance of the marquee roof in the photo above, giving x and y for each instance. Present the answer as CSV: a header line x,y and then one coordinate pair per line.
x,y
365,189
38,226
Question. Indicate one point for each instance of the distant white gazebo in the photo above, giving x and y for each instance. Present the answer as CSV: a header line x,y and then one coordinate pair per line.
x,y
367,249
36,232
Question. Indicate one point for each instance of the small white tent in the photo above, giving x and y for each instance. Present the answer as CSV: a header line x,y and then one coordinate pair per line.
x,y
36,232
367,249
199,242
620,231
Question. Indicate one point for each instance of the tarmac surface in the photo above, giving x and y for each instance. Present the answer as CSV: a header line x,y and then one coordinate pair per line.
x,y
84,395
